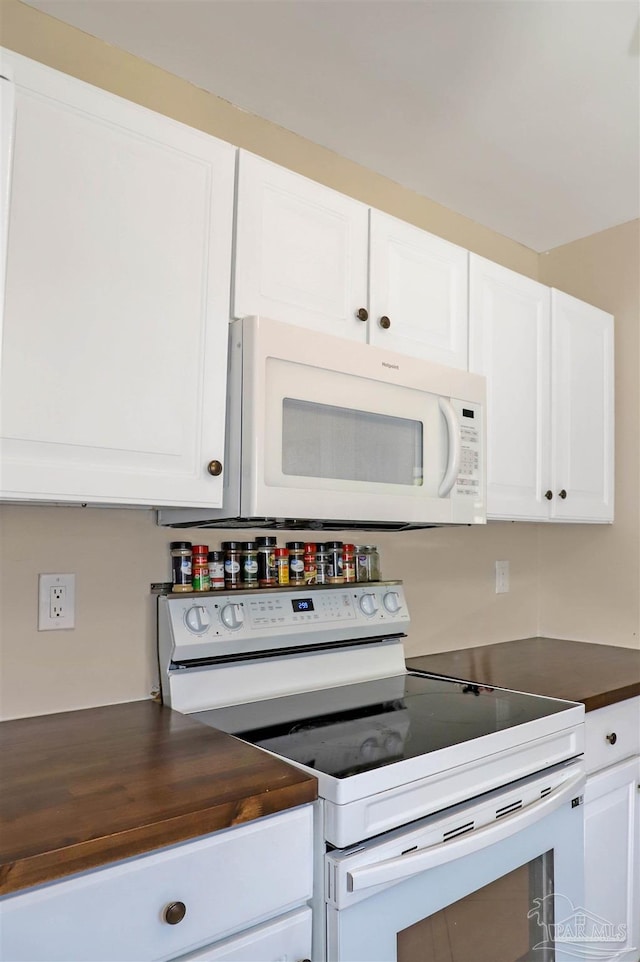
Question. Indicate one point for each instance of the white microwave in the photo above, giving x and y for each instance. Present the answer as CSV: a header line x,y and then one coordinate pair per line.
x,y
327,433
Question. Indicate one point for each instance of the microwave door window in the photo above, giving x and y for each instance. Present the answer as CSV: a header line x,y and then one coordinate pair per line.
x,y
331,442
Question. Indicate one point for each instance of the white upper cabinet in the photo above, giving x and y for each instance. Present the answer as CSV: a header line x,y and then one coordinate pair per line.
x,y
308,255
548,359
582,388
418,292
117,299
301,250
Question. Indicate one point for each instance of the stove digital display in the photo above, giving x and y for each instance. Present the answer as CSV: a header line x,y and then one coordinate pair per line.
x,y
302,604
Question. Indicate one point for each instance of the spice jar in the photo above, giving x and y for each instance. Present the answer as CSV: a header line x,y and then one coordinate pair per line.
x,y
334,553
181,565
200,567
367,563
249,565
310,568
296,562
267,574
216,570
348,563
322,565
231,564
282,566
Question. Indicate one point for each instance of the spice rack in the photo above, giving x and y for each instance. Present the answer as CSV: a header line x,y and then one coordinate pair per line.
x,y
262,563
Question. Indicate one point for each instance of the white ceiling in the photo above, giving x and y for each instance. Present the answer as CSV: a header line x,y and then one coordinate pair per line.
x,y
520,114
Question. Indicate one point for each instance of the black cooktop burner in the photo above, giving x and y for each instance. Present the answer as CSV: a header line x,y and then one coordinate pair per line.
x,y
346,730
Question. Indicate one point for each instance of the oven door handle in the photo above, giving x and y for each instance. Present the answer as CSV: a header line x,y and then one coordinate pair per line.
x,y
404,866
455,447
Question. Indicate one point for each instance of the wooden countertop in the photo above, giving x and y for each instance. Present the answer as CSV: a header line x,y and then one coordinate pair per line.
x,y
596,675
83,788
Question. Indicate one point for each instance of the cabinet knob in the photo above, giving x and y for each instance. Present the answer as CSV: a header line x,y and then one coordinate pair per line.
x,y
175,912
563,494
548,495
612,738
362,314
384,322
215,468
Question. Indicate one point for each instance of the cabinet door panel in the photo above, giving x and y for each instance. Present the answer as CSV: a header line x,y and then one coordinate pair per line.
x,y
612,858
301,250
420,283
582,391
116,309
509,342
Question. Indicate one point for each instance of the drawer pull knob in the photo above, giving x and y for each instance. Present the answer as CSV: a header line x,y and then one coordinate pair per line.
x,y
385,323
362,314
548,495
214,468
563,494
612,738
175,912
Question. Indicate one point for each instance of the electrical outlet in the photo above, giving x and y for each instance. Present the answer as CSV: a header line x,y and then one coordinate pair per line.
x,y
56,602
502,577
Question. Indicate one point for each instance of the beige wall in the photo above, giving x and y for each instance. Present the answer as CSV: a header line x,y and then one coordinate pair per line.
x,y
116,554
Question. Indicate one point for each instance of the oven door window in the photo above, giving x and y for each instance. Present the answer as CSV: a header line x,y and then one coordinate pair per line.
x,y
494,924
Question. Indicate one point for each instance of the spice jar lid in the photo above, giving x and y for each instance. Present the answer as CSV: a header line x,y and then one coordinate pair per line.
x,y
309,547
265,541
215,556
349,548
180,545
280,552
333,544
231,545
295,545
200,549
248,546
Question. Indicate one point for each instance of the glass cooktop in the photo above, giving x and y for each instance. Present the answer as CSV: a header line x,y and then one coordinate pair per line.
x,y
347,730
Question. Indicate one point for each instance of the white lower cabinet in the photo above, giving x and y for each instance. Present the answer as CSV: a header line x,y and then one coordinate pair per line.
x,y
612,831
239,894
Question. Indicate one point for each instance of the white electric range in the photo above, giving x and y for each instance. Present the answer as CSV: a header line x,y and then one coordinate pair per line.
x,y
416,773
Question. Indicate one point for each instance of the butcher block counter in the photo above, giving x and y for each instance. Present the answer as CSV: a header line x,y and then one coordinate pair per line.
x,y
84,788
596,675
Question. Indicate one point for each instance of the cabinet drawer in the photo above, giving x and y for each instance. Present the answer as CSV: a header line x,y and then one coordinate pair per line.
x,y
227,882
285,939
612,733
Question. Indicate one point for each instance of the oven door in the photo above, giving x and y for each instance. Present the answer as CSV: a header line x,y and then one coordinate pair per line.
x,y
499,879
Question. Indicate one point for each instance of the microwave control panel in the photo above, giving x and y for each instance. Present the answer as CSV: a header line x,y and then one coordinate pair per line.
x,y
470,474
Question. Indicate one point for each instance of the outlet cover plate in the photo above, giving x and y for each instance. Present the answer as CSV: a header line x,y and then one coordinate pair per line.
x,y
56,602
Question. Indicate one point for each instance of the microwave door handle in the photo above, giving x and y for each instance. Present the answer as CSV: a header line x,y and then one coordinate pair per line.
x,y
455,447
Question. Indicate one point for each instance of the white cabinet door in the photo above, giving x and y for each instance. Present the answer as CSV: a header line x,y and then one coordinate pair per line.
x,y
301,250
117,299
582,390
509,342
612,859
417,292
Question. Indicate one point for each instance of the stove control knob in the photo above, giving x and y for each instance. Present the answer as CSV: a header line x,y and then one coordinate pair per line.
x,y
197,619
368,604
391,601
232,616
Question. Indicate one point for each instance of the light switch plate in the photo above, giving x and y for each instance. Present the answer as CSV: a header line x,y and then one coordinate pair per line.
x,y
56,602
